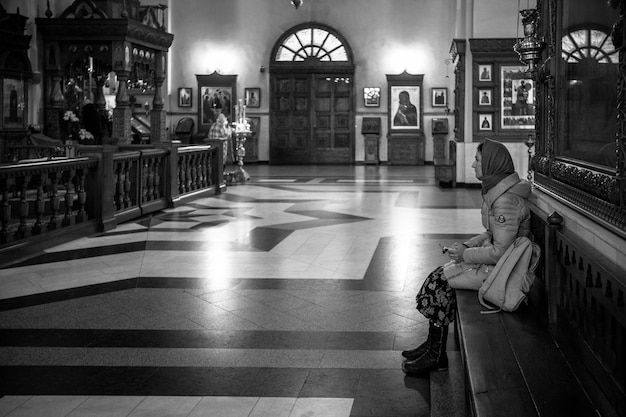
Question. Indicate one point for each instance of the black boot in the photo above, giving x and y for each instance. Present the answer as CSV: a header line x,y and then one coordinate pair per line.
x,y
435,357
413,354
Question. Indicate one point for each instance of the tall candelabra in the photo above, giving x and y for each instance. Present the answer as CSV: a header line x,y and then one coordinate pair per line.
x,y
241,129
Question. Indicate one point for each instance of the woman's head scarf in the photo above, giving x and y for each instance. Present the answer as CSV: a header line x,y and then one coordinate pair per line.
x,y
496,163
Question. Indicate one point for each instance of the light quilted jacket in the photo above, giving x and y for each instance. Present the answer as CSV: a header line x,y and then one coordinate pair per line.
x,y
506,216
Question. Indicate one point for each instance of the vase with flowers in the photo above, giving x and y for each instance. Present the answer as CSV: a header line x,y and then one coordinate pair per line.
x,y
74,132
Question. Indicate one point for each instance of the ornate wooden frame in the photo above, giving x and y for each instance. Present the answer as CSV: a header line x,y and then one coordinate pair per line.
x,y
596,191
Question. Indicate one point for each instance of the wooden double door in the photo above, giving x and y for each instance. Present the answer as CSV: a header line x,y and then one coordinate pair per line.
x,y
312,119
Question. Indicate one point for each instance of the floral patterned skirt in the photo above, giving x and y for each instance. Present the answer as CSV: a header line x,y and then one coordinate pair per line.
x,y
436,300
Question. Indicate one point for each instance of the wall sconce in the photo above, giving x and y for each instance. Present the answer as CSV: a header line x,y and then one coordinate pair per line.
x,y
146,107
530,47
297,3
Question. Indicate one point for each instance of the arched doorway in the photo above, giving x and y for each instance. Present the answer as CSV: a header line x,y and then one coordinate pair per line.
x,y
312,97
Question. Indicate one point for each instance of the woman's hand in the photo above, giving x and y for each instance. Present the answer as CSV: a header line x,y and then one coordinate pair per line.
x,y
455,252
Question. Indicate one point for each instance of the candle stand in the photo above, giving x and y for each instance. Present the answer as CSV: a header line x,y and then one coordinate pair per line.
x,y
241,129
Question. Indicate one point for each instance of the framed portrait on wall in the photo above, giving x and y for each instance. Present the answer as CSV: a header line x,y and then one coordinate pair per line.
x,y
184,97
484,72
439,97
216,93
518,97
371,96
13,103
253,97
485,121
405,102
405,114
485,96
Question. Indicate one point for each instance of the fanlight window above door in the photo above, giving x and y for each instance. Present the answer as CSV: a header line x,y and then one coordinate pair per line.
x,y
314,43
588,43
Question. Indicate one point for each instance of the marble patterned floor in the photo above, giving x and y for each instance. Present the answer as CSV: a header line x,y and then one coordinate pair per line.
x,y
289,295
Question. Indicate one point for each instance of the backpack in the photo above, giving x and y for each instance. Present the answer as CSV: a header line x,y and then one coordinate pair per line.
x,y
509,283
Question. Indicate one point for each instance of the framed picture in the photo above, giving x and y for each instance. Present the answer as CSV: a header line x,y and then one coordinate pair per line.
x,y
405,103
184,97
371,125
216,94
14,103
484,96
484,72
253,97
371,96
440,126
518,98
439,97
485,121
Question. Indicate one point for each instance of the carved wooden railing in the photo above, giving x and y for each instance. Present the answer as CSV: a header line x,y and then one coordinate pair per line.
x,y
44,202
43,197
585,291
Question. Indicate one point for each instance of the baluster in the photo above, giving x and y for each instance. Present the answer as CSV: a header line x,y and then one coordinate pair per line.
x,y
181,174
82,196
157,178
206,172
22,185
40,205
194,172
6,211
127,184
54,201
209,169
150,163
69,197
188,165
119,186
144,185
598,280
589,277
609,289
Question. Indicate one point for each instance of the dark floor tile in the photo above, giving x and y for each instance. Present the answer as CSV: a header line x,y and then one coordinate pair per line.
x,y
386,393
69,294
336,383
266,238
278,382
118,381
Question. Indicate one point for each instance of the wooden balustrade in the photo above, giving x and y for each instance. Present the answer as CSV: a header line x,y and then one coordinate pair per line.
x,y
50,201
585,292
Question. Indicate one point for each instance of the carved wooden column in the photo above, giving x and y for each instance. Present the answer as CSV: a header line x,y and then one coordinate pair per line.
x,y
54,100
158,132
122,113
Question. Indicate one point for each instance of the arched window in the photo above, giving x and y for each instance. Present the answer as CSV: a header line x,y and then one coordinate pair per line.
x,y
588,44
311,42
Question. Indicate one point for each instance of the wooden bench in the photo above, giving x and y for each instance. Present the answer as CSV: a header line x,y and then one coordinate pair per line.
x,y
512,365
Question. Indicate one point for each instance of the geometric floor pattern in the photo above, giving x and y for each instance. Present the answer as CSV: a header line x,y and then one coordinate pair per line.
x,y
289,295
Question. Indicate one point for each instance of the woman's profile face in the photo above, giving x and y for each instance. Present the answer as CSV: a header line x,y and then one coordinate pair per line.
x,y
478,166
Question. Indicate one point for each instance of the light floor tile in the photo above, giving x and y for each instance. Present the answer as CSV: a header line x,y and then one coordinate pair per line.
x,y
106,406
322,407
10,403
49,406
224,407
165,407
